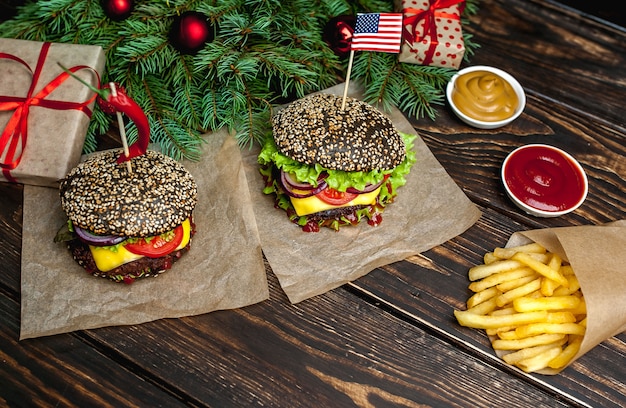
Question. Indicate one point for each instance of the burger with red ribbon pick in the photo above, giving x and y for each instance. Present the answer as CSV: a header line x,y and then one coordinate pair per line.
x,y
124,225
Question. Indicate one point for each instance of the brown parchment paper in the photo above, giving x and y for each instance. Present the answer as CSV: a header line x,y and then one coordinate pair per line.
x,y
55,137
597,254
429,210
223,270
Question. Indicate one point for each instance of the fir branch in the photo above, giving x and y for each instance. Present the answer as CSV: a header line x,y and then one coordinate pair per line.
x,y
382,68
335,8
186,102
213,110
174,139
254,129
374,6
99,124
292,74
217,10
59,16
265,52
423,86
471,8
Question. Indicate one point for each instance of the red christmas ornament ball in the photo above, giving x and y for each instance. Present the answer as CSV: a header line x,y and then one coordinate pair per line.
x,y
117,10
338,34
190,32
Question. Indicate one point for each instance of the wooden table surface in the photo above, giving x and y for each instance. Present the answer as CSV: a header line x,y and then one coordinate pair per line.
x,y
389,338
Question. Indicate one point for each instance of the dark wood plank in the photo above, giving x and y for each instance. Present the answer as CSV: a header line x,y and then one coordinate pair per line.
x,y
333,350
603,9
555,54
10,237
388,339
559,114
67,371
473,158
529,40
307,355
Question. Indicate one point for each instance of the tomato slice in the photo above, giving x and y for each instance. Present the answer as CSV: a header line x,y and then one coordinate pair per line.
x,y
335,197
158,246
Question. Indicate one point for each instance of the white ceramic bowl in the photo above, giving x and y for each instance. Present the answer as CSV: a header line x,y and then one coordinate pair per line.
x,y
521,96
544,181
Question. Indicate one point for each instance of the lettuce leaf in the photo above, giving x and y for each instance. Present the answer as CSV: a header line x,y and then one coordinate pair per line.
x,y
337,179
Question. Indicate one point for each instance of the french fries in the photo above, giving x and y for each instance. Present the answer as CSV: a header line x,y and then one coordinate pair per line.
x,y
529,302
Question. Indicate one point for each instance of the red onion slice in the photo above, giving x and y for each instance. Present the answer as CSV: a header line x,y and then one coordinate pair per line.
x,y
97,240
288,180
301,192
367,189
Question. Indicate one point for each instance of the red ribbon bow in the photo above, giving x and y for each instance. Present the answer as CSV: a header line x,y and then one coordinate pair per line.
x,y
16,131
430,26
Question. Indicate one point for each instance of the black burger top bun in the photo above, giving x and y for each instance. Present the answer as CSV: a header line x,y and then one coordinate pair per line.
x,y
315,130
100,195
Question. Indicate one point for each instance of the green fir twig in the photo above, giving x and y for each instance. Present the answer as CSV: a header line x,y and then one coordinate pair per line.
x,y
265,53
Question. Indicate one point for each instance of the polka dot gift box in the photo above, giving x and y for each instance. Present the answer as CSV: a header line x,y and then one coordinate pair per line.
x,y
432,33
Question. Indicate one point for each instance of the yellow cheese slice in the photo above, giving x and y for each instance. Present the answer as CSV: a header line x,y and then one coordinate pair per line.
x,y
186,234
106,259
312,204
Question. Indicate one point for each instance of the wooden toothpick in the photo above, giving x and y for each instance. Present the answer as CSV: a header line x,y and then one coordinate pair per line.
x,y
120,124
347,83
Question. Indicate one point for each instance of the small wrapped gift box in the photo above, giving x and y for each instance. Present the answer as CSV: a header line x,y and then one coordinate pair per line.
x,y
44,113
432,33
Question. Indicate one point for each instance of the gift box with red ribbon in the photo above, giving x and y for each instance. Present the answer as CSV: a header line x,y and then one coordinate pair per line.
x,y
432,33
44,113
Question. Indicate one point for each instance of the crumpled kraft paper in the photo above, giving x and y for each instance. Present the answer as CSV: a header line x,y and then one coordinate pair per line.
x,y
223,270
597,256
429,210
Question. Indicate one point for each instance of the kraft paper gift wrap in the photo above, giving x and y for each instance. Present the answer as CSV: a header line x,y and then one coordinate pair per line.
x,y
224,269
596,254
429,210
432,32
47,140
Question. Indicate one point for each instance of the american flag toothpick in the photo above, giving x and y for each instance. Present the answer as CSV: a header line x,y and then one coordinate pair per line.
x,y
374,32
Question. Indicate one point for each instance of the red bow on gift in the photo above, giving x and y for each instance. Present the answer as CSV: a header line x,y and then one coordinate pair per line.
x,y
430,26
16,131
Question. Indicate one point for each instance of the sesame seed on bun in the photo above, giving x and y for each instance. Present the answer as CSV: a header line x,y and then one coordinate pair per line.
x,y
100,195
315,130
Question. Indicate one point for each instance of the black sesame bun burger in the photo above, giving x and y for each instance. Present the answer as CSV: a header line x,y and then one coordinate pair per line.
x,y
124,226
331,167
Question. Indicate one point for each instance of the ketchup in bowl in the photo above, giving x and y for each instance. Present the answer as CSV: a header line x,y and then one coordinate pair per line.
x,y
544,180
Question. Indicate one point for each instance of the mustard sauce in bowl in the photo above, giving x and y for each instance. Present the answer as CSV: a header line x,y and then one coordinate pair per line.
x,y
485,97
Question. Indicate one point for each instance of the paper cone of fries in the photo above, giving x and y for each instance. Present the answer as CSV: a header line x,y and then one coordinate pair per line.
x,y
597,256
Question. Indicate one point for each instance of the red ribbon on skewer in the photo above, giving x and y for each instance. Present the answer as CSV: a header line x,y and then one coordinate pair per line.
x,y
430,25
15,133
